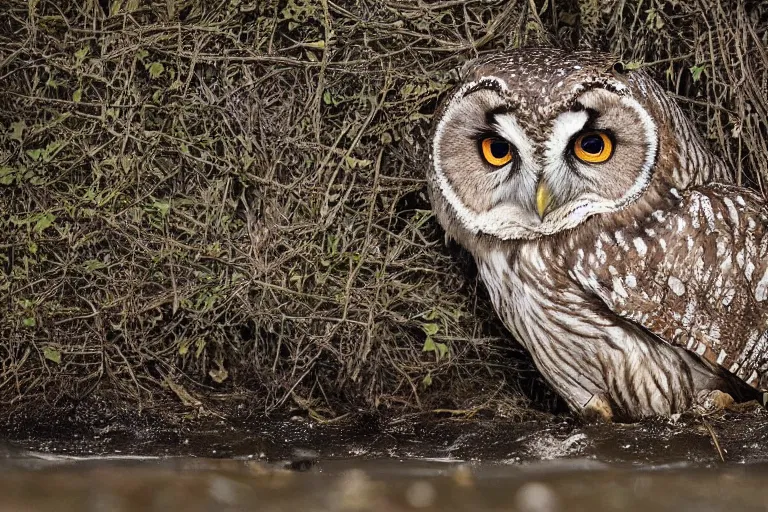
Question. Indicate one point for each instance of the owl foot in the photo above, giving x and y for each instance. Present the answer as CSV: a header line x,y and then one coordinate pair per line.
x,y
713,401
598,409
710,402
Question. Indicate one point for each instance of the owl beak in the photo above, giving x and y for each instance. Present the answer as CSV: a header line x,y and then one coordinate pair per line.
x,y
543,199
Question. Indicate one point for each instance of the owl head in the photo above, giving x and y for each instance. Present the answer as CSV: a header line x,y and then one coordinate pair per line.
x,y
536,141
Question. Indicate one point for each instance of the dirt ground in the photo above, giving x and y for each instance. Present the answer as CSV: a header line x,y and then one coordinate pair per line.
x,y
94,429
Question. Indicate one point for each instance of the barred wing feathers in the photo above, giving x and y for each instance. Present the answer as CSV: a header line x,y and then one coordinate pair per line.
x,y
693,273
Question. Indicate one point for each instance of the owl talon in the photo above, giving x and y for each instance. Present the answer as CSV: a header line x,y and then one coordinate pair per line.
x,y
598,409
710,402
713,401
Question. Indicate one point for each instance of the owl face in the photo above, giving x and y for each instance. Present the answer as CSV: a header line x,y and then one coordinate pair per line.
x,y
520,157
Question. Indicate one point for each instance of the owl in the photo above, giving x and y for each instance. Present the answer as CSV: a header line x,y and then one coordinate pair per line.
x,y
609,238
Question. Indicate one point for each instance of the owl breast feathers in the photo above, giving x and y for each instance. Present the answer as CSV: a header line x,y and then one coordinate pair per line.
x,y
591,206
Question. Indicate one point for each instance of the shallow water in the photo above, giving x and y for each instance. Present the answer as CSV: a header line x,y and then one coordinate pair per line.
x,y
376,484
400,465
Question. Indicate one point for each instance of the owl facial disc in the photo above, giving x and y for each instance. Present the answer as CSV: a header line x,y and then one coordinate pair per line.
x,y
511,170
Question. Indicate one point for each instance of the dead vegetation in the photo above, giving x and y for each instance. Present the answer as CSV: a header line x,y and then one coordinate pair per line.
x,y
223,202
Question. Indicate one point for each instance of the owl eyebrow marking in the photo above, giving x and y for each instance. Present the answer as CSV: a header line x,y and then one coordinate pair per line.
x,y
580,107
488,84
592,113
490,116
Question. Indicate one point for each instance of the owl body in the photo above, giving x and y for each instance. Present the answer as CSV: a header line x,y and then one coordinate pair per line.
x,y
584,355
625,312
587,200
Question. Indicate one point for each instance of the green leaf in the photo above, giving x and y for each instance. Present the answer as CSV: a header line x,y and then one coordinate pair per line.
x,y
50,150
91,265
7,174
29,321
162,206
32,247
44,222
429,345
35,154
219,375
200,343
696,71
427,381
52,354
78,95
442,350
430,329
142,54
156,69
81,54
355,163
632,65
17,130
421,217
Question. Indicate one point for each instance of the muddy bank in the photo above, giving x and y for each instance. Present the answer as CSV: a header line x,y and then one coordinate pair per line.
x,y
742,437
424,464
99,458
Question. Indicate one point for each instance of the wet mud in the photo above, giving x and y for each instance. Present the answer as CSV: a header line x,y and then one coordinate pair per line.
x,y
423,462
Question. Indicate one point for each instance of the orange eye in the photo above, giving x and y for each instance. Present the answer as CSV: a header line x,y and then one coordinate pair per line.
x,y
496,151
593,147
